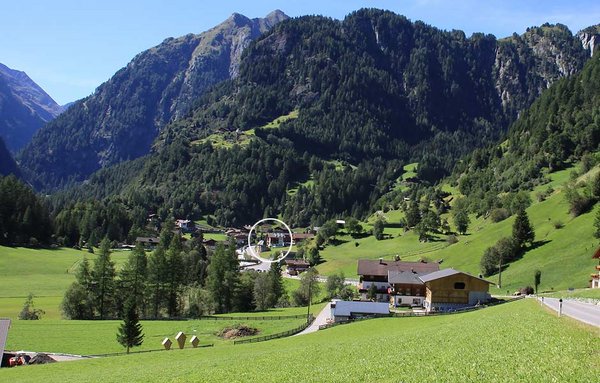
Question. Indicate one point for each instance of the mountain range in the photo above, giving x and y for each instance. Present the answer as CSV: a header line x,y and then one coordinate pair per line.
x,y
24,108
373,91
124,115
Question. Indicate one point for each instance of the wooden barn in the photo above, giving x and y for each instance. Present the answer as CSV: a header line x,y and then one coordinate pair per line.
x,y
452,289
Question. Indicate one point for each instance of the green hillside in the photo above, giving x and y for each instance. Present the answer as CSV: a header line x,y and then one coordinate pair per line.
x,y
563,255
516,342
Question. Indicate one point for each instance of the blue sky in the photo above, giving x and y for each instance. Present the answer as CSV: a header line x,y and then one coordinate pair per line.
x,y
69,47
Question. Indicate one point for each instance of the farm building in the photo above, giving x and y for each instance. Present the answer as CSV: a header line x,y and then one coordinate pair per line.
x,y
373,272
282,239
296,266
451,289
148,242
406,289
343,311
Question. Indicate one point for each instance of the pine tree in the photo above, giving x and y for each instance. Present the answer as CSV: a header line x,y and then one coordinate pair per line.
x,y
522,231
157,271
103,277
134,275
275,283
223,278
597,224
130,332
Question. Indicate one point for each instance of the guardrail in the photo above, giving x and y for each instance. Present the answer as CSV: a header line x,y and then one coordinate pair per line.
x,y
421,314
278,335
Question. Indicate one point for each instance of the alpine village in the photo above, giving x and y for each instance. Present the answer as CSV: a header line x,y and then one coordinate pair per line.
x,y
309,199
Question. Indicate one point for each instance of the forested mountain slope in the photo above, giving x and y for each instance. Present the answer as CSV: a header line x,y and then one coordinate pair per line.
x,y
374,91
123,116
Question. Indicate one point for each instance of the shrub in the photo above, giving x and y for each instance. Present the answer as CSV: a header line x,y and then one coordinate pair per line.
x,y
499,214
29,312
452,239
558,224
527,290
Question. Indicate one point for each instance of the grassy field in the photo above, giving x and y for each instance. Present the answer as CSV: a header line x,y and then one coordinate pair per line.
x,y
99,337
42,272
516,342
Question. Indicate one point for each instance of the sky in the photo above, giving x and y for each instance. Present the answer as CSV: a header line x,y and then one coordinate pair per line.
x,y
69,47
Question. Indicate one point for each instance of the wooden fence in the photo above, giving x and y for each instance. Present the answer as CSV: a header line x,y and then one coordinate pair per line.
x,y
278,335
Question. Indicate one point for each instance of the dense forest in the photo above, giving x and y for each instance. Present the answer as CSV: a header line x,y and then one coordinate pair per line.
x,y
371,93
7,163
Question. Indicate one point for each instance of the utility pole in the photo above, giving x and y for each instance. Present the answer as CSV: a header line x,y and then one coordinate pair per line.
x,y
309,294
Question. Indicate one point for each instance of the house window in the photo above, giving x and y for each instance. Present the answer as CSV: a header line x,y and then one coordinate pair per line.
x,y
459,285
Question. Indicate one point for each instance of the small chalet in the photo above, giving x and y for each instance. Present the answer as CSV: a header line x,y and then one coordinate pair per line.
x,y
595,281
185,225
373,272
296,266
343,311
452,289
148,242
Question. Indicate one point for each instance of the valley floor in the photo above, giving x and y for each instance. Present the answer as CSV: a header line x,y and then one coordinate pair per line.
x,y
515,342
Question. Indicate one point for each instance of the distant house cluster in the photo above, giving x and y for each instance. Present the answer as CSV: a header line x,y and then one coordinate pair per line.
x,y
420,284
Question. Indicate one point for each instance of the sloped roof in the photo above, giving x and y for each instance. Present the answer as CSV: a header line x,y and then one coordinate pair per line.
x,y
446,273
404,277
597,254
381,268
347,308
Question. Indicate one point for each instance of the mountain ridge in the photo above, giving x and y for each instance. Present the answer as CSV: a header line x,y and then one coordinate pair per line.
x,y
24,107
123,116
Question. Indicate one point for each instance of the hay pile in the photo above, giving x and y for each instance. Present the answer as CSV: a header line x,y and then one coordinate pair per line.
x,y
237,331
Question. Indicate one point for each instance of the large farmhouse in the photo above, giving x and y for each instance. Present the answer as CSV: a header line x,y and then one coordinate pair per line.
x,y
404,287
420,284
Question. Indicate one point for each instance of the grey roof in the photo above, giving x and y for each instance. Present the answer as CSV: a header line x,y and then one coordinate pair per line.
x,y
347,308
381,267
404,277
446,273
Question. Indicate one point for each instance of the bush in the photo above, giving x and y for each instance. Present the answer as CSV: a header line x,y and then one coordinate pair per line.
x,y
558,224
29,312
452,239
527,290
499,214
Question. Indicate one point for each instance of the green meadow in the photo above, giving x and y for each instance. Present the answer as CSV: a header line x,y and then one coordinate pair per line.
x,y
515,342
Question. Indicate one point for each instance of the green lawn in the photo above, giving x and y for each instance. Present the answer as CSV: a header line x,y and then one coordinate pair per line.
x,y
45,273
99,337
516,342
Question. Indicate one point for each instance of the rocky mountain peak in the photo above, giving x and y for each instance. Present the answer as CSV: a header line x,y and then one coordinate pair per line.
x,y
590,38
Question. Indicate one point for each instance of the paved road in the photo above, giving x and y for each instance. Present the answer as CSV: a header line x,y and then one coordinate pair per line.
x,y
583,312
321,319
